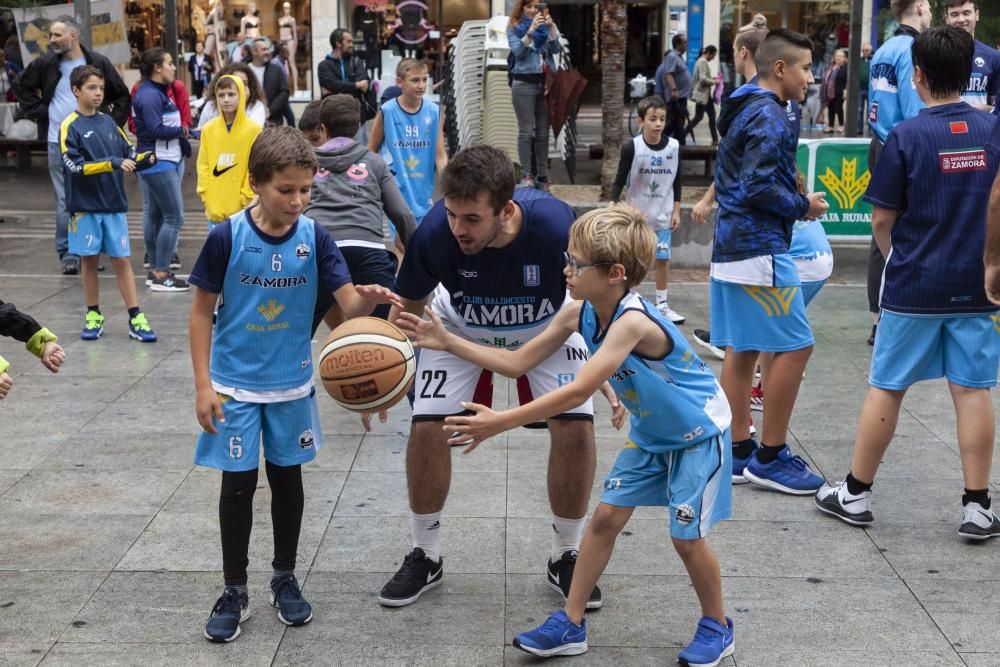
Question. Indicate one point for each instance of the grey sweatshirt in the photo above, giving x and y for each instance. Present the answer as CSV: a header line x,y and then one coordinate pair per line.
x,y
350,192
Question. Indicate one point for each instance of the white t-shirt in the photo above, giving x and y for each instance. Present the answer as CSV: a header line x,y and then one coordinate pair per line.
x,y
256,112
259,71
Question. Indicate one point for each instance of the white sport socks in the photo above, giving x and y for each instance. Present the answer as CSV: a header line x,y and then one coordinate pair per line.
x,y
426,530
566,534
661,296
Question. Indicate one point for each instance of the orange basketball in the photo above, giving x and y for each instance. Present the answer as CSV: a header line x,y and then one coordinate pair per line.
x,y
367,364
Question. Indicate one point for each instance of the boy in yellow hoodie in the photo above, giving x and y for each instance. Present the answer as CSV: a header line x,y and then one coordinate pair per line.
x,y
224,156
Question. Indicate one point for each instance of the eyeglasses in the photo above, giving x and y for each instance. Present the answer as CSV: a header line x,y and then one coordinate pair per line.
x,y
575,267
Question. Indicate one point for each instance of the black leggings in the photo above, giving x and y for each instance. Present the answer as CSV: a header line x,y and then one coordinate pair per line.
x,y
236,518
876,262
835,110
700,110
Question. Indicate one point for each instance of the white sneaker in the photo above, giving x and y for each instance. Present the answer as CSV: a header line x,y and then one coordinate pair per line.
x,y
670,313
979,523
835,500
704,338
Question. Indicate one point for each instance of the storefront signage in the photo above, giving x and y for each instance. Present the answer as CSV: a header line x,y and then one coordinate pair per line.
x,y
107,29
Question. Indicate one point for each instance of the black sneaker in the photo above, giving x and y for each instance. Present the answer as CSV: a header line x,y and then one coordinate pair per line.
x,y
560,576
287,598
145,261
70,265
150,277
229,611
704,338
175,261
417,574
979,523
169,283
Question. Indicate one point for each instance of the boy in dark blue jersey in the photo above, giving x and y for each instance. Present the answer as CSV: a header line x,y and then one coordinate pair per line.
x,y
254,377
929,195
96,153
984,83
756,298
677,453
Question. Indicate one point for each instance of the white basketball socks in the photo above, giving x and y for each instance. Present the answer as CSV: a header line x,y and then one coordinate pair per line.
x,y
566,535
661,296
426,530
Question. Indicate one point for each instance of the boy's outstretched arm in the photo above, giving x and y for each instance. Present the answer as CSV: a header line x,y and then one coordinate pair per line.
x,y
431,334
207,404
360,300
621,339
991,256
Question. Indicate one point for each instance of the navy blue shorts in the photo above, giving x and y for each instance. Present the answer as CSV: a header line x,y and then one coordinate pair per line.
x,y
368,266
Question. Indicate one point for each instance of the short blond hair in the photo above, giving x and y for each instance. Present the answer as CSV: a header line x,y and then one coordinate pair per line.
x,y
617,234
407,65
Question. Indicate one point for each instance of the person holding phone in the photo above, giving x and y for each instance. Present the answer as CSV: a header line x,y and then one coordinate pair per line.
x,y
534,40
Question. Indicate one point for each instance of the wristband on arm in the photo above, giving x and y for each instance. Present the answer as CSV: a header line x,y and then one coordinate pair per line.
x,y
36,344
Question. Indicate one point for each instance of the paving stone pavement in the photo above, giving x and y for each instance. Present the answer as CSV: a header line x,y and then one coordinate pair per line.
x,y
109,545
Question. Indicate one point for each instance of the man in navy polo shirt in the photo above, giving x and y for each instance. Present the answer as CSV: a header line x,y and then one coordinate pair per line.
x,y
985,80
929,195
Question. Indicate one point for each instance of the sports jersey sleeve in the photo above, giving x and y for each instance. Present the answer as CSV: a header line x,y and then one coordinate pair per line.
x,y
73,157
887,188
418,277
910,103
333,271
624,167
209,272
762,160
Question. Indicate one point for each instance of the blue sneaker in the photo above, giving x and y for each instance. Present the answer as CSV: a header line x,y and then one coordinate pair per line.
x,y
229,611
556,636
712,642
287,598
138,328
93,326
739,465
788,474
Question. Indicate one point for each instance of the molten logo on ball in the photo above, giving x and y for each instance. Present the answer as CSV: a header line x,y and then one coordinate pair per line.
x,y
353,359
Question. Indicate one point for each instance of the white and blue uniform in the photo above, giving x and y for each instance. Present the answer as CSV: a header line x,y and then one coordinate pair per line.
x,y
936,320
261,363
501,297
679,447
984,82
891,93
409,148
810,248
651,187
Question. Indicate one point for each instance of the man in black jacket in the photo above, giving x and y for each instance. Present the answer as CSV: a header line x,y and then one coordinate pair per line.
x,y
341,72
44,95
272,80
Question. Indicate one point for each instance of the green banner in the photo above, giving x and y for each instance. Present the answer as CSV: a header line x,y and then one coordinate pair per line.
x,y
839,167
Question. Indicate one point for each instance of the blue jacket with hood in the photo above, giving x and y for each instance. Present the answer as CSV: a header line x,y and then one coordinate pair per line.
x,y
755,177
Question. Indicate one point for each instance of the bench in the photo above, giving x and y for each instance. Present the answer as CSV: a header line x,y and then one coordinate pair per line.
x,y
704,154
24,148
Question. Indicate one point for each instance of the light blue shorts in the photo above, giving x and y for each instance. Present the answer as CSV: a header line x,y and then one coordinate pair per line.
x,y
910,348
290,431
694,482
810,290
94,233
663,243
763,319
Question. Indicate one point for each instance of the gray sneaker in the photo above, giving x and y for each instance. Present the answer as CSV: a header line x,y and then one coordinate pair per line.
x,y
169,283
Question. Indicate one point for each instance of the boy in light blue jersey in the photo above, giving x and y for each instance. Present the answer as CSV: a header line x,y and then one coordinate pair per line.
x,y
254,376
678,451
929,199
409,135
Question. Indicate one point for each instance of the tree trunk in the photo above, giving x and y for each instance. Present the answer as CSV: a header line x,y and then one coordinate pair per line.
x,y
613,32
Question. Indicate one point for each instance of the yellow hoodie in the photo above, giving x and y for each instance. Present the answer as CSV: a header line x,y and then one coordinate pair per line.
x,y
224,159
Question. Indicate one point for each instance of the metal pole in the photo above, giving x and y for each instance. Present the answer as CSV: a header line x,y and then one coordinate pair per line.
x,y
170,27
82,10
853,100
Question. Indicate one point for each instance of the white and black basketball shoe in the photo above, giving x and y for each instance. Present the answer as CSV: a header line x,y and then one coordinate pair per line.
x,y
836,500
979,523
559,574
417,574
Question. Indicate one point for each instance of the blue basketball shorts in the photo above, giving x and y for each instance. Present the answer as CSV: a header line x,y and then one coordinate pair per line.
x,y
762,319
94,233
663,243
290,431
911,348
694,482
810,290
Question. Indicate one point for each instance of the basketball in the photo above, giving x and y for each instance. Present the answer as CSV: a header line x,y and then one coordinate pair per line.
x,y
366,364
